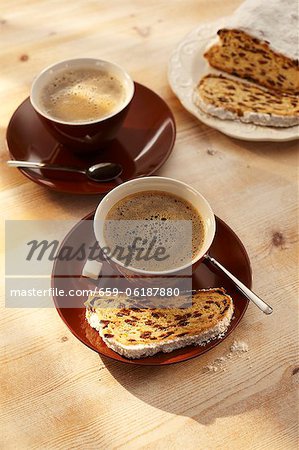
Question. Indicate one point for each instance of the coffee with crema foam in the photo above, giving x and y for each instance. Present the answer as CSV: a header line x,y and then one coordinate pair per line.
x,y
156,214
82,95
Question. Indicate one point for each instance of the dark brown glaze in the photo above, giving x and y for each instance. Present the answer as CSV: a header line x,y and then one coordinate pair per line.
x,y
88,137
226,248
141,146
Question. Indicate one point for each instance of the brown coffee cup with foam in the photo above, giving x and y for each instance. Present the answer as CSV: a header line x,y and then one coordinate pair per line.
x,y
83,102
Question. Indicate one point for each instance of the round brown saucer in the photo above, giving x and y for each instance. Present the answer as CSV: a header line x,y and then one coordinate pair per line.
x,y
142,145
226,248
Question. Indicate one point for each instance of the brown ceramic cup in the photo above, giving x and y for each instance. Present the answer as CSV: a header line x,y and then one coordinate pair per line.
x,y
84,136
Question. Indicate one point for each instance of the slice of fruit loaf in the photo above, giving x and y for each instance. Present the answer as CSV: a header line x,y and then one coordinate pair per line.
x,y
260,43
230,99
135,331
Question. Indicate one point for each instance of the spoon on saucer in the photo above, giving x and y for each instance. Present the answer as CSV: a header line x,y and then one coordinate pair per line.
x,y
263,306
101,172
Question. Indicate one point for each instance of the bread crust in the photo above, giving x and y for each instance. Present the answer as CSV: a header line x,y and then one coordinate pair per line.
x,y
170,329
231,99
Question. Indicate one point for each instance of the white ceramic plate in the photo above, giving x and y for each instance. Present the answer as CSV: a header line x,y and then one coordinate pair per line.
x,y
187,65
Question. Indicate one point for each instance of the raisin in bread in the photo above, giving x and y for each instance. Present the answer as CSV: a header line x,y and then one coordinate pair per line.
x,y
231,99
136,330
260,44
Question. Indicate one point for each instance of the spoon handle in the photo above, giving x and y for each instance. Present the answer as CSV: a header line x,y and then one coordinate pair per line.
x,y
14,163
39,165
263,306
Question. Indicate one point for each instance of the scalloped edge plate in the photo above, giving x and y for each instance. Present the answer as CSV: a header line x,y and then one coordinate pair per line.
x,y
187,65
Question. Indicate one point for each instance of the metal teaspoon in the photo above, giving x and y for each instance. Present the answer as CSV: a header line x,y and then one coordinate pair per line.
x,y
100,173
263,306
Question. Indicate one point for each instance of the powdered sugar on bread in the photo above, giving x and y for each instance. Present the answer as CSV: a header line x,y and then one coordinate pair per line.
x,y
259,43
274,21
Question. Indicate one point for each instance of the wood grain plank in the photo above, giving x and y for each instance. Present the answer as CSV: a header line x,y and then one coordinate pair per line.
x,y
55,392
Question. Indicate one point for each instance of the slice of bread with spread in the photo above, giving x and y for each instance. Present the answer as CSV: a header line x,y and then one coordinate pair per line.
x,y
231,99
135,331
260,43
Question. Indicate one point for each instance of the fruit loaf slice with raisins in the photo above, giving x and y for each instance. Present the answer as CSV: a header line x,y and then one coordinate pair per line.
x,y
135,329
260,43
231,99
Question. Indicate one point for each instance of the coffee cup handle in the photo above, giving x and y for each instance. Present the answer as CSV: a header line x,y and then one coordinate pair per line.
x,y
92,269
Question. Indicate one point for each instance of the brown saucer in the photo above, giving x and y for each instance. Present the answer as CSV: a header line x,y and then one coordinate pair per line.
x,y
226,248
142,145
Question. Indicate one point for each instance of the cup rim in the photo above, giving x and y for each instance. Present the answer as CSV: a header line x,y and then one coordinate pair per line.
x,y
72,60
207,242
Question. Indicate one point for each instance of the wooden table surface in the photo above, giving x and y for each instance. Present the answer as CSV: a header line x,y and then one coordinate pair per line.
x,y
58,394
